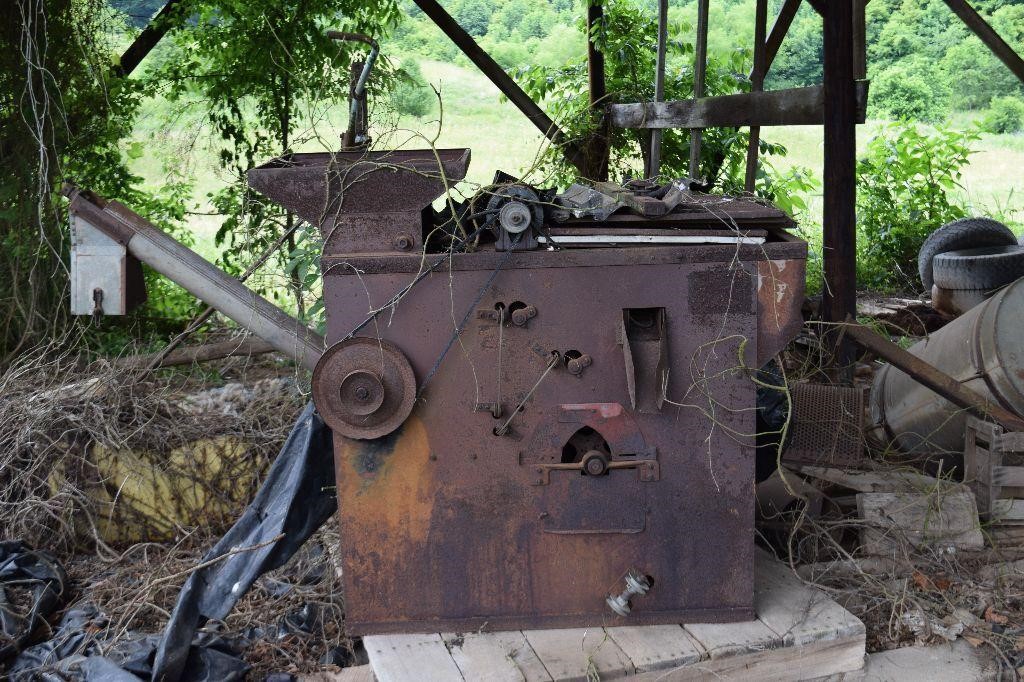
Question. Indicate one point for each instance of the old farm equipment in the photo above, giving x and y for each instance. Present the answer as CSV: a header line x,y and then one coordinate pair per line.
x,y
540,403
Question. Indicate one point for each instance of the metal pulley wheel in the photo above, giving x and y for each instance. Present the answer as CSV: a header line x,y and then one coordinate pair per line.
x,y
364,387
517,208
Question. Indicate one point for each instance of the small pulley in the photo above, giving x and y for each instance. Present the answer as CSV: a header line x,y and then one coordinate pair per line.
x,y
516,217
364,387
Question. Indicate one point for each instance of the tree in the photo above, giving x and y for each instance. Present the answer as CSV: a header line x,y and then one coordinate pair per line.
x,y
63,117
907,184
254,62
474,16
800,58
912,90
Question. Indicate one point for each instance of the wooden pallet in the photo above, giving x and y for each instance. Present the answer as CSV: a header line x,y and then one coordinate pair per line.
x,y
994,462
799,634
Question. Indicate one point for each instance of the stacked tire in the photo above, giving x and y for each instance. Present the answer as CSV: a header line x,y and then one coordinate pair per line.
x,y
964,261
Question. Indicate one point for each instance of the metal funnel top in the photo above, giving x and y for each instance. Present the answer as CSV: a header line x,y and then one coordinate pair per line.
x,y
318,186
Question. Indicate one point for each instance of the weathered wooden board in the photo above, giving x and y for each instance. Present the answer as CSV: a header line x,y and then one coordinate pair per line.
x,y
943,519
821,660
359,673
800,614
656,647
792,106
800,634
495,657
874,482
401,658
579,654
721,640
957,661
1007,510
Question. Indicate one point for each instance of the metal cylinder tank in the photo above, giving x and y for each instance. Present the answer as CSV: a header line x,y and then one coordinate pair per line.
x,y
983,349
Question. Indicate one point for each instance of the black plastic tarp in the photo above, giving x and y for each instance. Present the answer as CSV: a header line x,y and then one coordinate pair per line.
x,y
297,497
39,574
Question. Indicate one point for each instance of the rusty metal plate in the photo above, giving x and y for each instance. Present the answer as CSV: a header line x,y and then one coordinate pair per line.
x,y
447,525
827,426
364,387
575,503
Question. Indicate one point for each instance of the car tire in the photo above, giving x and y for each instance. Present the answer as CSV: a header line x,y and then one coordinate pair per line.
x,y
966,233
987,267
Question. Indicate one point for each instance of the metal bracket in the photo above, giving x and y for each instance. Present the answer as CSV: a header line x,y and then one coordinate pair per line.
x,y
648,468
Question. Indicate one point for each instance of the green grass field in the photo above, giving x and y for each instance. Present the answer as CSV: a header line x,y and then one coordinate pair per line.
x,y
474,116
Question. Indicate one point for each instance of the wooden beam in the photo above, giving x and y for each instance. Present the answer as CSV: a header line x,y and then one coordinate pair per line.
x,y
779,30
699,70
597,147
144,43
502,80
194,354
820,6
756,85
988,35
790,107
839,214
654,159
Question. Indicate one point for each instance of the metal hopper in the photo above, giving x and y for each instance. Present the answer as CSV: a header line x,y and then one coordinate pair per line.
x,y
362,201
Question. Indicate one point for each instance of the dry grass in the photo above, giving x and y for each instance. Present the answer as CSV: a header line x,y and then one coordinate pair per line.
x,y
55,410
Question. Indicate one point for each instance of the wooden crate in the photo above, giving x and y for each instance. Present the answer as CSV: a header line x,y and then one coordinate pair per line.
x,y
994,469
799,634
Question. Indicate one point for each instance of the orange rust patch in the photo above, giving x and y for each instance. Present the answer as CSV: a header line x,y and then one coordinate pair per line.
x,y
391,476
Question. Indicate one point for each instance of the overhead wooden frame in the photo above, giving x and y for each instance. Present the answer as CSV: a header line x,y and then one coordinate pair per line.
x,y
789,107
838,104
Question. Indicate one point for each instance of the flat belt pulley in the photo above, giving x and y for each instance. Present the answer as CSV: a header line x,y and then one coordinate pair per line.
x,y
364,387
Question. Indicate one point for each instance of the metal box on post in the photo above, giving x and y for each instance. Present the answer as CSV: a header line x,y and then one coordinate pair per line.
x,y
544,438
105,278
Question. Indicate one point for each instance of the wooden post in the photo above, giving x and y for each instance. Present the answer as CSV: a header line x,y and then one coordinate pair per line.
x,y
699,69
840,189
597,147
502,80
659,86
756,85
144,43
860,40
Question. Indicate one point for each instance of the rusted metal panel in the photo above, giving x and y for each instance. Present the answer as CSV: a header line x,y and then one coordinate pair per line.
x,y
445,524
581,417
780,286
363,202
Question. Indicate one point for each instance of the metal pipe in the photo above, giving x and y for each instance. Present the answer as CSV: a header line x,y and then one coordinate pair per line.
x,y
981,351
201,278
659,86
360,87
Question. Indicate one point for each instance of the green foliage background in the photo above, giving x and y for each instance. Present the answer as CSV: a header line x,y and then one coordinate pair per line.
x,y
247,76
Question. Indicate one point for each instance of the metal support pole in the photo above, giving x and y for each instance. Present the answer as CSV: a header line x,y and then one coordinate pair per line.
x,y
700,67
756,85
659,86
840,190
597,148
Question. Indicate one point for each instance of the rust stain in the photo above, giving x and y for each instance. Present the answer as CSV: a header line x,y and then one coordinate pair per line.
x,y
391,477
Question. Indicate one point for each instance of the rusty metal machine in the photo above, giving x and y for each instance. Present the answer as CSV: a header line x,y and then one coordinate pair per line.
x,y
541,402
